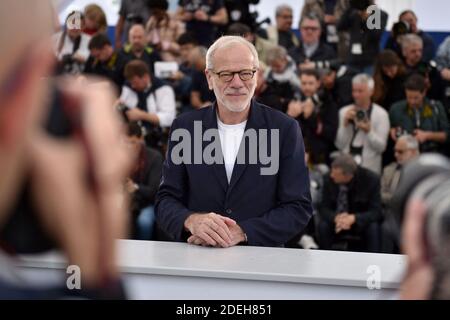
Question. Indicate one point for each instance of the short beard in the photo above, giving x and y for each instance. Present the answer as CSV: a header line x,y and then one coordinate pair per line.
x,y
232,108
236,109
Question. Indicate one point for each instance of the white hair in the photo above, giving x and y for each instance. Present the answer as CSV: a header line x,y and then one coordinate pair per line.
x,y
226,42
410,39
411,142
276,53
363,78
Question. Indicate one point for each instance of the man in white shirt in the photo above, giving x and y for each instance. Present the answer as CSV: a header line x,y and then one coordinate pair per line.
x,y
363,126
147,98
71,46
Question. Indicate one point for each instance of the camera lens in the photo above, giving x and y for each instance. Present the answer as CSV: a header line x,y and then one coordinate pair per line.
x,y
360,115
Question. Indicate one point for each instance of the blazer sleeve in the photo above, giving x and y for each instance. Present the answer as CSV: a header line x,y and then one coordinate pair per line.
x,y
170,208
294,209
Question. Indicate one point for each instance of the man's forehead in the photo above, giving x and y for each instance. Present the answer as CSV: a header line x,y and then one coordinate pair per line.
x,y
401,143
310,22
234,57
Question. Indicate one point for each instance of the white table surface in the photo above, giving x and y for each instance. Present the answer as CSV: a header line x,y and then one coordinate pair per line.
x,y
332,268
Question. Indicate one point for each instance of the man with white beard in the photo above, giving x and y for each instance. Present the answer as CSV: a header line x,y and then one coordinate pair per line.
x,y
228,196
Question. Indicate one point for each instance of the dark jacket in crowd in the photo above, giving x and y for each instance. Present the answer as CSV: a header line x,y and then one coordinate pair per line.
x,y
429,47
277,95
324,56
150,56
319,130
341,93
364,199
147,177
394,91
430,71
362,38
112,69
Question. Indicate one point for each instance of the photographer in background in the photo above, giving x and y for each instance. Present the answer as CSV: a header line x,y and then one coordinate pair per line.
x,y
407,23
389,79
318,117
202,18
148,100
363,126
312,53
137,48
131,12
72,45
412,49
143,182
281,34
104,60
364,42
406,149
239,12
337,82
419,116
330,13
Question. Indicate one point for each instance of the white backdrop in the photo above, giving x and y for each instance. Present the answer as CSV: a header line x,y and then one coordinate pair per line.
x,y
432,14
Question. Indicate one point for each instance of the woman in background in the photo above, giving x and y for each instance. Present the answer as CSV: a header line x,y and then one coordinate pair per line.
x,y
95,20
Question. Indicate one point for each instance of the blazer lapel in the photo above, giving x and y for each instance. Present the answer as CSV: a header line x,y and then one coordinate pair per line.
x,y
210,122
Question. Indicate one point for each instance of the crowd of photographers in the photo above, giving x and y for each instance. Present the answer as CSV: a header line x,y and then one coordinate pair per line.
x,y
364,111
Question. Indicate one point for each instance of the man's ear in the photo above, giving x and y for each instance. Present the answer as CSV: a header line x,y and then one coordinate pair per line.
x,y
209,75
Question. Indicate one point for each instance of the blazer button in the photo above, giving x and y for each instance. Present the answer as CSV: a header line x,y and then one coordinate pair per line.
x,y
229,211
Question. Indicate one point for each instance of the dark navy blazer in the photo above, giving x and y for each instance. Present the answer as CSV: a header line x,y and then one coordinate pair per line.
x,y
271,209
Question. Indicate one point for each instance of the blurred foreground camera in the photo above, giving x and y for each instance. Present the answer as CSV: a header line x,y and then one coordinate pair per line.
x,y
427,179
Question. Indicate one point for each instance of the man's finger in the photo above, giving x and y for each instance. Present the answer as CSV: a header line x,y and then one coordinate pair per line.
x,y
216,237
221,230
206,237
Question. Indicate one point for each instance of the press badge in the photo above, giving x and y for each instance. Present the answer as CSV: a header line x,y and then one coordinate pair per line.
x,y
357,49
332,36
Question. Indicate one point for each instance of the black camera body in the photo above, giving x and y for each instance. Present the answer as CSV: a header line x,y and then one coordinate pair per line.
x,y
134,19
361,116
400,28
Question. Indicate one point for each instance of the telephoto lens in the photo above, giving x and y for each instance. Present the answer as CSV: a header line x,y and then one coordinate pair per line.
x,y
427,179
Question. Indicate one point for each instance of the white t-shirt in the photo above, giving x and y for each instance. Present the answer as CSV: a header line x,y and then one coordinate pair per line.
x,y
230,140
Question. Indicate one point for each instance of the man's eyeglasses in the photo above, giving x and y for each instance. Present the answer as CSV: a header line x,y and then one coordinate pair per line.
x,y
227,76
